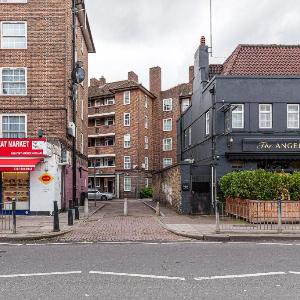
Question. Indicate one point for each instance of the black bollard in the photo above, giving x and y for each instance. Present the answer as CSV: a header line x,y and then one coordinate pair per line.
x,y
14,216
55,218
70,214
76,210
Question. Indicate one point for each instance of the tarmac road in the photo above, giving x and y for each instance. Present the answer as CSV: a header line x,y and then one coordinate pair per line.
x,y
150,270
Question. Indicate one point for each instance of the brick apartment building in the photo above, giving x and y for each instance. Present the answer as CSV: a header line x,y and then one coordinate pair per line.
x,y
132,131
36,60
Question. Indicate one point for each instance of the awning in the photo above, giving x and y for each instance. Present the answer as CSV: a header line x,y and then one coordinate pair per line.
x,y
18,164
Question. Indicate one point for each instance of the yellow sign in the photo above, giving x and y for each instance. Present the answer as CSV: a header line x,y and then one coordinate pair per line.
x,y
45,178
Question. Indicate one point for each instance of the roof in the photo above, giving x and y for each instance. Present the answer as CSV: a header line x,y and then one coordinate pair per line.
x,y
108,89
263,60
183,89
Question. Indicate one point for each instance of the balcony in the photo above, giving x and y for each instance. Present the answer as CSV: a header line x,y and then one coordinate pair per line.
x,y
101,130
98,111
101,151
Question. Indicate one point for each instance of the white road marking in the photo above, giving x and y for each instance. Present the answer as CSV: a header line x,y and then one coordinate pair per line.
x,y
281,244
293,272
240,276
10,244
40,274
137,275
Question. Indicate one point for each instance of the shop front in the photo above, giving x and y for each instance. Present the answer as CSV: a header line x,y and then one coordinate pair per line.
x,y
19,158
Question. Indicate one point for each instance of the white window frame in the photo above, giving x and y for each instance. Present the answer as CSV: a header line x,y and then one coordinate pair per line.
x,y
190,136
165,144
146,101
82,110
127,124
266,112
146,182
82,143
169,159
1,81
127,140
108,101
207,123
237,112
127,162
12,115
146,122
146,142
126,100
184,107
146,160
166,106
165,121
127,184
12,22
12,1
289,113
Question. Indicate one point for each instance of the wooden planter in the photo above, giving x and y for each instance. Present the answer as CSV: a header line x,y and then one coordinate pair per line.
x,y
256,211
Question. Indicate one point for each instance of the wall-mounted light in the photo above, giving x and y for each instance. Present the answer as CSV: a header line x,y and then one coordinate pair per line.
x,y
230,142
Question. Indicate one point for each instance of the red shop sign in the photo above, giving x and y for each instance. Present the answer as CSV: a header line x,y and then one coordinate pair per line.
x,y
23,147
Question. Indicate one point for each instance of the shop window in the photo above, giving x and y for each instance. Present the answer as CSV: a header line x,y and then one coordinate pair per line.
x,y
238,116
14,126
13,35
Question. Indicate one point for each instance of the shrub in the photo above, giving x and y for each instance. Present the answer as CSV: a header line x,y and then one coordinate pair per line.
x,y
146,192
260,185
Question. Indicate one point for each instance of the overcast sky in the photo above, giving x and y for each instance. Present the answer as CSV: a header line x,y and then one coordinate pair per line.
x,y
139,34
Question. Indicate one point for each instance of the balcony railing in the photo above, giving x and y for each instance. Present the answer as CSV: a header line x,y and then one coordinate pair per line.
x,y
101,150
101,130
106,109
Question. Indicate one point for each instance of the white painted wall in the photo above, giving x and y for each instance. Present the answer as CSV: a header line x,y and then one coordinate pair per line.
x,y
41,195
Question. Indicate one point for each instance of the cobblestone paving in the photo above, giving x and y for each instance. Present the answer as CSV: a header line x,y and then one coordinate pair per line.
x,y
110,225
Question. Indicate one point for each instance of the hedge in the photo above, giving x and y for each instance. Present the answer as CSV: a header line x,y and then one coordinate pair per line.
x,y
146,192
261,185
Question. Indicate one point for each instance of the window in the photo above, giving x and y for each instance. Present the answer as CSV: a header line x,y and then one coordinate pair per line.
x,y
167,162
127,162
237,116
97,122
146,143
167,104
146,163
13,35
126,119
109,101
167,144
14,126
109,121
185,103
265,116
13,1
13,81
146,122
127,184
190,135
82,143
82,111
127,142
126,96
293,116
167,125
146,101
207,123
103,162
146,182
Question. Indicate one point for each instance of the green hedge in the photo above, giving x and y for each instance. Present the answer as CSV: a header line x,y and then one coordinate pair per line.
x,y
146,192
260,185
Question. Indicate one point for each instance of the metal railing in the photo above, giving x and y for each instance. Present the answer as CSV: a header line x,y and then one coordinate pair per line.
x,y
264,216
8,217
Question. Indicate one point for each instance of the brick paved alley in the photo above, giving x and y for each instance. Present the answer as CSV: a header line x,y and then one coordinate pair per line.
x,y
109,224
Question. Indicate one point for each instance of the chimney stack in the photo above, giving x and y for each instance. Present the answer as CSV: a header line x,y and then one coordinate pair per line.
x,y
155,80
202,41
133,76
191,74
102,80
94,82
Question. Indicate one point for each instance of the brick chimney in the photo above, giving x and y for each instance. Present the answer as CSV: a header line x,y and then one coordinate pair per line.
x,y
102,80
133,76
191,74
155,80
94,82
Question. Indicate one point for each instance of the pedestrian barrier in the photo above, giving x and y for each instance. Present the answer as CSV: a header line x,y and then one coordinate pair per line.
x,y
8,217
264,216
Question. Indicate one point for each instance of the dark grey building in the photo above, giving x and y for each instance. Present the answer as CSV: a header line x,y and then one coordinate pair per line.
x,y
244,115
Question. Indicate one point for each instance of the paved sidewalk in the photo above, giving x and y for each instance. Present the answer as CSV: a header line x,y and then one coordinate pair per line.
x,y
109,224
204,228
39,227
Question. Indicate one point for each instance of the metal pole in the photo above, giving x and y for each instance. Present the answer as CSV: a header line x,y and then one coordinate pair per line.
x,y
210,27
70,214
55,217
86,207
14,216
76,208
74,163
279,213
95,194
157,209
125,207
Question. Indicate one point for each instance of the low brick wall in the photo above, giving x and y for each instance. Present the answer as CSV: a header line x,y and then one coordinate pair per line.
x,y
167,187
255,211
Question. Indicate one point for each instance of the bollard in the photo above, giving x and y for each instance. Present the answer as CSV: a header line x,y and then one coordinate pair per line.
x,y
14,216
70,214
55,217
76,210
125,207
279,215
86,207
157,209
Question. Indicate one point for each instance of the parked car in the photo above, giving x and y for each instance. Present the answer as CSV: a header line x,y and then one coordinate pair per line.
x,y
94,193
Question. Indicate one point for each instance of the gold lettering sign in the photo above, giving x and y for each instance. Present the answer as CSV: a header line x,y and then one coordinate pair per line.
x,y
281,146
